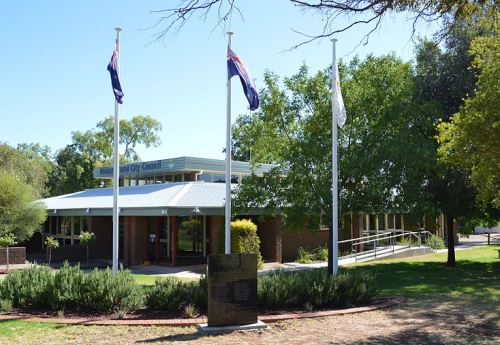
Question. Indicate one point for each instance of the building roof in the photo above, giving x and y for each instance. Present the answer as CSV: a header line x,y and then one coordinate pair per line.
x,y
178,198
181,164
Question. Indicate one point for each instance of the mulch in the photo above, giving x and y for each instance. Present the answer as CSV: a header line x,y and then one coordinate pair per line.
x,y
147,318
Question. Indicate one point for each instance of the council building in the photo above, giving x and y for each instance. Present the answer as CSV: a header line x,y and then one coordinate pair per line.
x,y
172,213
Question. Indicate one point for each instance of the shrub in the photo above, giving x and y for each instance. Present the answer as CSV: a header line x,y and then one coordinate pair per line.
x,y
314,289
304,256
67,287
244,239
189,311
435,242
404,241
321,253
5,305
32,287
104,291
172,294
100,291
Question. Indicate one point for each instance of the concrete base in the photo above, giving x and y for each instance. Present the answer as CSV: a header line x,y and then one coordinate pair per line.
x,y
204,328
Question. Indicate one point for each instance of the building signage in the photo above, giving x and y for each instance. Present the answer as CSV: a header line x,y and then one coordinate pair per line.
x,y
132,168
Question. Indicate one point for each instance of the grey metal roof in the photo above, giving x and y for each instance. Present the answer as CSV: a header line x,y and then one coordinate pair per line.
x,y
179,198
181,164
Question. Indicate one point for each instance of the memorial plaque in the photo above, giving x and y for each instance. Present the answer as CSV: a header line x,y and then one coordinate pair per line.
x,y
232,289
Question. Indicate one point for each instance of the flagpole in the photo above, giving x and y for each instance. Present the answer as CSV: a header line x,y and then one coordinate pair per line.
x,y
335,222
116,165
228,161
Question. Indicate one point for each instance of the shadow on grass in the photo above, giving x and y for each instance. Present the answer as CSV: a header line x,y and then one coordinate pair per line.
x,y
414,279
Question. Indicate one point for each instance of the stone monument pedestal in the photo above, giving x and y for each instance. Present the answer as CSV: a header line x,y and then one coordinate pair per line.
x,y
232,293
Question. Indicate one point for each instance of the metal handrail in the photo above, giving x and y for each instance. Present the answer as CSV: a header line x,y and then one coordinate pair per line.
x,y
386,236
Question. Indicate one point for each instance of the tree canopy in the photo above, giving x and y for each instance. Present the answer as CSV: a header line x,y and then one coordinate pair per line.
x,y
469,141
359,12
20,216
385,149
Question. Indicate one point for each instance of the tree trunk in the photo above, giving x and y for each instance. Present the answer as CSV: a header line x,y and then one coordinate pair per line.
x,y
450,239
7,257
50,254
88,256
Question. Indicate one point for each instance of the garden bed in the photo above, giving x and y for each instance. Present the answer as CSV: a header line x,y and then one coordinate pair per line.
x,y
146,317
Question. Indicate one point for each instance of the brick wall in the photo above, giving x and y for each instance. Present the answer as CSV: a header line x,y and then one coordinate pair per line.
x,y
75,252
292,240
216,234
269,232
102,247
17,255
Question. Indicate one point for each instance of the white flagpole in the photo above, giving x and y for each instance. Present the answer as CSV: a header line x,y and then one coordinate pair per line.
x,y
228,162
116,165
335,221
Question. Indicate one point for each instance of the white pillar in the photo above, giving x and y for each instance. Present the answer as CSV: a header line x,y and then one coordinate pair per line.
x,y
228,162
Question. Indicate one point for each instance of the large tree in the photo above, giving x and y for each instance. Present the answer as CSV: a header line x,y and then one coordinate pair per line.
x,y
93,148
385,149
445,76
20,215
359,12
469,141
30,163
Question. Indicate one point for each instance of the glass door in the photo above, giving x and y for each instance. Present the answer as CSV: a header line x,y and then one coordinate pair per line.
x,y
190,237
165,240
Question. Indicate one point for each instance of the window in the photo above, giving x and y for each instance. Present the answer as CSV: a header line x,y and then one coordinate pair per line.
x,y
66,229
64,226
381,222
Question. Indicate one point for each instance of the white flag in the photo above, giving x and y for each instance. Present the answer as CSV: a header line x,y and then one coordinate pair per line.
x,y
338,102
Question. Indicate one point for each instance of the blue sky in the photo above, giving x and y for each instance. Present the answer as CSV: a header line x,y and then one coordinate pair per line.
x,y
54,56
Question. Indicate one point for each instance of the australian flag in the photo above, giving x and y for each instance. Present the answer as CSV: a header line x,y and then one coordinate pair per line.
x,y
113,72
235,66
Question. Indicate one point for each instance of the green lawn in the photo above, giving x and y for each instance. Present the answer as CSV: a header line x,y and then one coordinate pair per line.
x,y
477,274
473,285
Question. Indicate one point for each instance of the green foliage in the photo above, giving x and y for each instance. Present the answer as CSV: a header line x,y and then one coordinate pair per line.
x,y
244,239
7,240
321,253
104,291
51,243
94,148
20,215
405,241
30,288
29,163
469,141
304,256
86,238
5,306
314,288
294,126
435,242
101,291
172,294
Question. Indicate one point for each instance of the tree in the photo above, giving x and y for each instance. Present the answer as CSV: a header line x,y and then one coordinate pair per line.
x,y
20,215
384,148
370,12
444,78
51,243
93,148
86,239
6,241
27,166
469,141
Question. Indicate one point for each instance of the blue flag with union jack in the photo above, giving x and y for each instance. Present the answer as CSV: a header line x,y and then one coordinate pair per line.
x,y
235,66
113,72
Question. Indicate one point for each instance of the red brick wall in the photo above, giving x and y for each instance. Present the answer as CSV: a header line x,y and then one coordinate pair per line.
x,y
292,240
141,239
216,234
17,255
102,247
269,232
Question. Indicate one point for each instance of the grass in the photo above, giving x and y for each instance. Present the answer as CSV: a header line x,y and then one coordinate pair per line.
x,y
424,279
477,274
